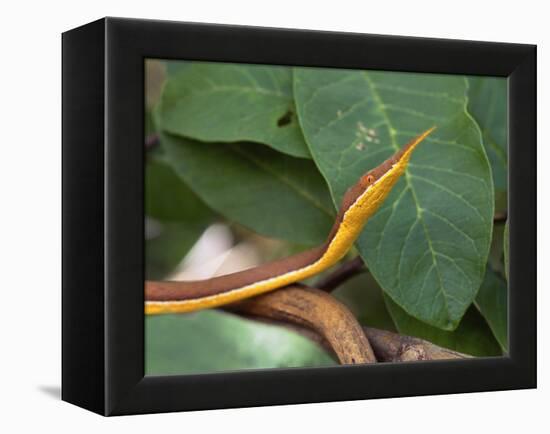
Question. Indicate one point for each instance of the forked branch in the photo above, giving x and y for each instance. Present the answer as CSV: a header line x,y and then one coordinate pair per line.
x,y
317,312
322,318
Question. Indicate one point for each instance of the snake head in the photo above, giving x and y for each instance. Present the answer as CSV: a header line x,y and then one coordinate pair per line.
x,y
397,162
373,187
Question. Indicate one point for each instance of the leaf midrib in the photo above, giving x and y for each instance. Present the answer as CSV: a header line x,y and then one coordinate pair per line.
x,y
392,132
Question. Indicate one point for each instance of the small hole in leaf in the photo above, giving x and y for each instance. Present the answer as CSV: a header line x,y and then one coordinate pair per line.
x,y
285,119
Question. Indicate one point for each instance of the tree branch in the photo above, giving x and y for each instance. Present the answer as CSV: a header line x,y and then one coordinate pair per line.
x,y
318,312
344,272
393,347
500,217
320,317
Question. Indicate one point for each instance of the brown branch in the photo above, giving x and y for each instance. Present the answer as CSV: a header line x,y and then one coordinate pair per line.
x,y
320,317
500,217
315,311
393,347
344,272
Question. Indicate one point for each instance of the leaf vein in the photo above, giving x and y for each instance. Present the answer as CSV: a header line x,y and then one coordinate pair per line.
x,y
451,193
300,191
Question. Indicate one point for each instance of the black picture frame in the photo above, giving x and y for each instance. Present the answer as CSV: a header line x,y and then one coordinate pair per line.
x,y
103,225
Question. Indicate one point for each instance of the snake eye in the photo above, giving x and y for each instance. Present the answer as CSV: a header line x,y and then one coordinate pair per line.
x,y
367,180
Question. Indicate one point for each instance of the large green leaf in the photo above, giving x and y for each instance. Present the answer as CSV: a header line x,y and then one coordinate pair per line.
x,y
488,104
211,341
220,102
428,244
492,302
271,193
472,336
179,217
167,198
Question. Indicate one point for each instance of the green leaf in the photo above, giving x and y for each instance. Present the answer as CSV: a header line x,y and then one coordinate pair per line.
x,y
428,244
489,106
217,102
472,336
167,198
180,217
364,298
496,253
506,249
209,341
492,302
149,127
266,191
174,67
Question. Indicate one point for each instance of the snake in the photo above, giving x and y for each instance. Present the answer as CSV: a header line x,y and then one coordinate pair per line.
x,y
359,203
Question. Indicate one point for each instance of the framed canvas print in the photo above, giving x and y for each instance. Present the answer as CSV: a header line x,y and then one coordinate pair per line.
x,y
263,216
